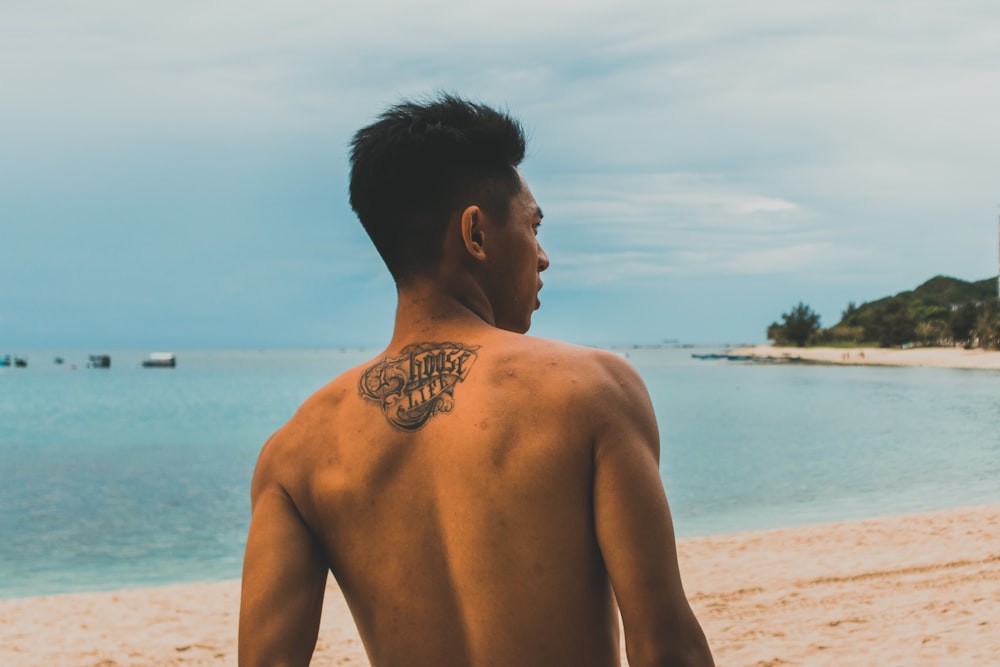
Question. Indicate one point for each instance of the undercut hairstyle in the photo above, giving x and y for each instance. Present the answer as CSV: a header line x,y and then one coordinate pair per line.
x,y
422,161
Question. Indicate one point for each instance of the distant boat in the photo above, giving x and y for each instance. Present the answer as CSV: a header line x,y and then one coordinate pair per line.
x,y
728,357
99,361
160,360
16,362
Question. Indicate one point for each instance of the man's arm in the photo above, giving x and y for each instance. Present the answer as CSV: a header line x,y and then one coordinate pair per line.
x,y
635,531
284,578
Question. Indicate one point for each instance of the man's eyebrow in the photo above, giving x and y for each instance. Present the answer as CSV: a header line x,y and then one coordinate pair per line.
x,y
538,210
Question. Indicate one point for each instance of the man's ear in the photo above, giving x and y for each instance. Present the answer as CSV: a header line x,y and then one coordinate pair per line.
x,y
473,225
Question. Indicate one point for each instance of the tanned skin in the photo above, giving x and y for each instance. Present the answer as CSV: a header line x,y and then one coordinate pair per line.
x,y
483,498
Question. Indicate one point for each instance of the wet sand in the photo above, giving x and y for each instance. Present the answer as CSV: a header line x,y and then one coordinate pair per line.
x,y
914,590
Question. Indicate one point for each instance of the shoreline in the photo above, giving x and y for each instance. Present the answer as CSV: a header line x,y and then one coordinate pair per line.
x,y
935,357
904,590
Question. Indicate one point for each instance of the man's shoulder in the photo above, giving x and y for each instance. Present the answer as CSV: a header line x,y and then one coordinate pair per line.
x,y
309,436
579,354
317,412
588,368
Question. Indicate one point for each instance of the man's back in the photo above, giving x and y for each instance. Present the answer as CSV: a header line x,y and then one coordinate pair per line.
x,y
478,494
471,540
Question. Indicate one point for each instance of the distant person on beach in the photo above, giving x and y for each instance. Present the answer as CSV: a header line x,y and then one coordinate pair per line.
x,y
481,497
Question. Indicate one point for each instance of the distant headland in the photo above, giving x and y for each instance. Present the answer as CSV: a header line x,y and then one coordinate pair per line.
x,y
942,312
944,322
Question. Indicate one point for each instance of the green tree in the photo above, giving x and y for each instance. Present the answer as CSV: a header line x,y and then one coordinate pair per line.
x,y
963,319
892,325
986,330
848,313
933,332
776,333
799,325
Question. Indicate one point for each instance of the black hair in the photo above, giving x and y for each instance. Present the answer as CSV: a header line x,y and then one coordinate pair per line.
x,y
422,161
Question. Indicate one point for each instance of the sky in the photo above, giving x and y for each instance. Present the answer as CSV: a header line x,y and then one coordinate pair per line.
x,y
174,175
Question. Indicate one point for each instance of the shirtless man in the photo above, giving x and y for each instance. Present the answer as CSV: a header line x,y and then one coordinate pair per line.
x,y
482,497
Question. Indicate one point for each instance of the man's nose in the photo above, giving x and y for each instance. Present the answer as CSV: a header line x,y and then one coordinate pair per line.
x,y
543,259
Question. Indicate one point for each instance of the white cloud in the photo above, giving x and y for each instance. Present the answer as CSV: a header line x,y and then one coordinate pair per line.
x,y
762,205
817,259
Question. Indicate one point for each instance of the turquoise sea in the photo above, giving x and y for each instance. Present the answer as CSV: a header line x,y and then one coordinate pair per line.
x,y
125,477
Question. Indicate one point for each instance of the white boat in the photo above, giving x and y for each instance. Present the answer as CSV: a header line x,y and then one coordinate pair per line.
x,y
161,360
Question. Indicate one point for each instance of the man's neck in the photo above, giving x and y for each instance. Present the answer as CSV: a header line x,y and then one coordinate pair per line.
x,y
425,310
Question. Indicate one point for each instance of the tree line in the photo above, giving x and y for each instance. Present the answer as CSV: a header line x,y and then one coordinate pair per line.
x,y
943,311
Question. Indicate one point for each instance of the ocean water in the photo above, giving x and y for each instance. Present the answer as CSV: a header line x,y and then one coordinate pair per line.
x,y
124,477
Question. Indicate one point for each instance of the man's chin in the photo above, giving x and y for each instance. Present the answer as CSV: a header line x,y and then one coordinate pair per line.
x,y
518,328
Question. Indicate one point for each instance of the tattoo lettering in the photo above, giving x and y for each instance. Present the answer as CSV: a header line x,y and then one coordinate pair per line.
x,y
418,384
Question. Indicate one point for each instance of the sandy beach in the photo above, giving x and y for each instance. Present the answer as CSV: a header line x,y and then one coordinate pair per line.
x,y
941,357
913,590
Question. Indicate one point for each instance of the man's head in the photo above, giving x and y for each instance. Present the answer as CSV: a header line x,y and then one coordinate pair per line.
x,y
421,162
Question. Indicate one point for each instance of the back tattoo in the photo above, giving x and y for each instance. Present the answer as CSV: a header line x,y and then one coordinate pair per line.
x,y
418,384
